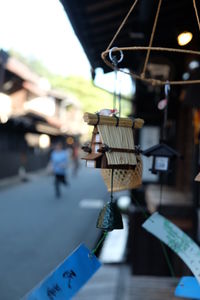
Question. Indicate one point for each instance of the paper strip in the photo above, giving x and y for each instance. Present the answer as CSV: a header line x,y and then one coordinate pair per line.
x,y
177,240
188,287
68,278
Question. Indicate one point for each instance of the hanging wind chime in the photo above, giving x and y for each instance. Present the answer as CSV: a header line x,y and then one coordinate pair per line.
x,y
162,154
113,150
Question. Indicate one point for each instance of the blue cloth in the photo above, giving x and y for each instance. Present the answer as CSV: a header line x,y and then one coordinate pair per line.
x,y
59,160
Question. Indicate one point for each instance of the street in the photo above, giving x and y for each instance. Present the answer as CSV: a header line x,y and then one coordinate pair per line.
x,y
37,230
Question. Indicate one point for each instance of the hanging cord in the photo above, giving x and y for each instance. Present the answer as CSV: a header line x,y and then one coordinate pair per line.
x,y
150,48
105,232
161,190
119,97
171,269
196,13
146,216
120,103
115,62
155,23
99,243
111,185
115,86
151,39
167,90
152,80
122,24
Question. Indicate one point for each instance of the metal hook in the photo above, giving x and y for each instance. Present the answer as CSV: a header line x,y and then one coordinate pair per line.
x,y
114,59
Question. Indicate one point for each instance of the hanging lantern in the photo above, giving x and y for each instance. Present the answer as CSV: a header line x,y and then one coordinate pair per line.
x,y
162,157
110,217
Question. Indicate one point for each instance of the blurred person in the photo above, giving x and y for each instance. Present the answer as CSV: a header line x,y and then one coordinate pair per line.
x,y
22,169
59,160
75,158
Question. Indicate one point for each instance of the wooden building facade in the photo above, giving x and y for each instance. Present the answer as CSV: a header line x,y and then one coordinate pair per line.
x,y
27,111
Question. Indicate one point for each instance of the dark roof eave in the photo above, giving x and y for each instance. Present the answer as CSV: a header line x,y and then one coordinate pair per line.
x,y
85,43
151,151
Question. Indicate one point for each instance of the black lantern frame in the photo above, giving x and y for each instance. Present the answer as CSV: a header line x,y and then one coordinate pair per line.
x,y
162,157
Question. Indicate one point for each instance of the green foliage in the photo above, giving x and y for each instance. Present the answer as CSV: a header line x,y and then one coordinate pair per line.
x,y
91,97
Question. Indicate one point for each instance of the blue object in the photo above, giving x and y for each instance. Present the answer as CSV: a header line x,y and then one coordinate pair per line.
x,y
68,277
59,160
188,287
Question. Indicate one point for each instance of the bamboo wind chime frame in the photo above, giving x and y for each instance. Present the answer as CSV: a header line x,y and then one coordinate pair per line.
x,y
115,152
148,49
123,179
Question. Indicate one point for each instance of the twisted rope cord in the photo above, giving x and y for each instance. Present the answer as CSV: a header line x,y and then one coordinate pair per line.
x,y
151,80
196,13
122,24
150,48
151,39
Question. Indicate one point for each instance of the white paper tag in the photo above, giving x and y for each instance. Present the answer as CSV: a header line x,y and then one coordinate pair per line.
x,y
97,138
161,163
90,163
177,240
96,148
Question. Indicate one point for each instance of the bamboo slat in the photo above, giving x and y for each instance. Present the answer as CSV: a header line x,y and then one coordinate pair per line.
x,y
91,119
118,137
123,179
